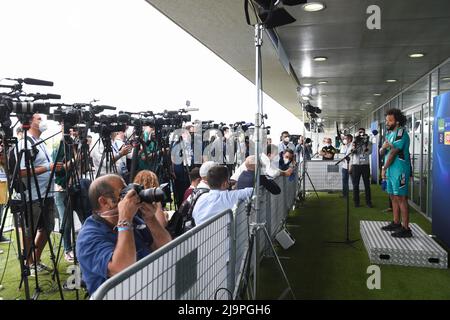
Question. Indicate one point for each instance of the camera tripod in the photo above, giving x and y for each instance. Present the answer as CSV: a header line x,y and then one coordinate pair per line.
x,y
251,258
301,195
22,210
107,158
75,159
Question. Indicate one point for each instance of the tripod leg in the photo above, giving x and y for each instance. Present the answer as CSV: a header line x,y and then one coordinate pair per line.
x,y
289,288
314,188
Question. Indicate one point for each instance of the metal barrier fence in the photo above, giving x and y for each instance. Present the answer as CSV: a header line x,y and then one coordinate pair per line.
x,y
202,263
193,266
326,176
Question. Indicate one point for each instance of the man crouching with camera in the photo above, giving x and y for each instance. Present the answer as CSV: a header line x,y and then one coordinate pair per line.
x,y
114,237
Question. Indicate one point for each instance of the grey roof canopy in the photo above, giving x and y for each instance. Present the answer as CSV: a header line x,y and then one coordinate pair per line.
x,y
359,60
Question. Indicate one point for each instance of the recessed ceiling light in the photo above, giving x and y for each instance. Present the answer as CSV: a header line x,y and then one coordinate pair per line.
x,y
322,82
368,103
320,59
307,84
417,55
445,79
377,94
313,6
391,80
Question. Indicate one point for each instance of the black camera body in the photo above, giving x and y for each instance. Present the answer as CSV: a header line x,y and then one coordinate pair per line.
x,y
361,142
149,195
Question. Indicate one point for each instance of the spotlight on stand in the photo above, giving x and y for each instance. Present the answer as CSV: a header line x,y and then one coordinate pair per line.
x,y
272,13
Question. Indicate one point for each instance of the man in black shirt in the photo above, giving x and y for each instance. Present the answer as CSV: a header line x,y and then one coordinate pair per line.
x,y
328,151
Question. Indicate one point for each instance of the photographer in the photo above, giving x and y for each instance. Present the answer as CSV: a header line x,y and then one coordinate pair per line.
x,y
119,151
307,149
114,238
360,166
328,151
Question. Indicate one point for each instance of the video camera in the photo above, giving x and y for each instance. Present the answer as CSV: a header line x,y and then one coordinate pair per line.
x,y
361,140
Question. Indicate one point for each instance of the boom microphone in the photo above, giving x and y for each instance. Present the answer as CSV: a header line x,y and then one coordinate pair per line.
x,y
37,82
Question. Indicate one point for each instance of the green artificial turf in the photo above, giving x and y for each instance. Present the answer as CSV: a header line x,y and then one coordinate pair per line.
x,y
319,270
10,272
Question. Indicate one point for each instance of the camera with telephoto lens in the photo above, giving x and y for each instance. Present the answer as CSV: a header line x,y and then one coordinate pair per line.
x,y
149,195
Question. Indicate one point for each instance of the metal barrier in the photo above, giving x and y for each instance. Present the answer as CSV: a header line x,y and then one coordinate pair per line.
x,y
193,266
208,258
326,176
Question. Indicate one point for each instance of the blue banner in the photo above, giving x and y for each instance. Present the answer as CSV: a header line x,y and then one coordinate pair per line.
x,y
441,168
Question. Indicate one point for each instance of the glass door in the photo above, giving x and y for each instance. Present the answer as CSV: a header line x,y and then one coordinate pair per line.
x,y
409,128
416,156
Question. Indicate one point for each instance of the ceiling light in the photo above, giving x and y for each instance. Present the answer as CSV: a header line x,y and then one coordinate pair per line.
x,y
445,79
313,6
322,82
391,80
368,103
307,84
305,91
320,59
377,94
416,55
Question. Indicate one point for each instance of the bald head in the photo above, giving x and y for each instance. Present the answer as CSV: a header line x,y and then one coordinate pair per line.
x,y
250,163
105,186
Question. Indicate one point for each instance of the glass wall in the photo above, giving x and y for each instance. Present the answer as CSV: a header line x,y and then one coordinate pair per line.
x,y
417,104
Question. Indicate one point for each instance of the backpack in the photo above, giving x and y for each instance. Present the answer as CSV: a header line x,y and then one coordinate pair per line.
x,y
12,162
182,220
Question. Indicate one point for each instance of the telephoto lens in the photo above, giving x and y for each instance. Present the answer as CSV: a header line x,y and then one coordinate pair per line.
x,y
146,195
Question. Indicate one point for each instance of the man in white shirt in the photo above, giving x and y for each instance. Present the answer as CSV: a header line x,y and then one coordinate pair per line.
x,y
218,199
206,166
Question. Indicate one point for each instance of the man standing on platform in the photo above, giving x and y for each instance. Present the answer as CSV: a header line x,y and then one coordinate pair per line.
x,y
396,172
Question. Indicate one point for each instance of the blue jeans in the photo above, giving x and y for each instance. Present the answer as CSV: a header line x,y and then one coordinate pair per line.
x,y
66,233
345,177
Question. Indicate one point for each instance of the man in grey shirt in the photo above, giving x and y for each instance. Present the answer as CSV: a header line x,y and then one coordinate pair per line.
x,y
360,166
43,221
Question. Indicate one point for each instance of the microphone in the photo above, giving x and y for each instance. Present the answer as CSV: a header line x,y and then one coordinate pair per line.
x,y
34,82
37,82
106,107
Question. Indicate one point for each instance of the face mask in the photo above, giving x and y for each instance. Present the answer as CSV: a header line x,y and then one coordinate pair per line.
x,y
42,126
286,161
361,134
345,141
